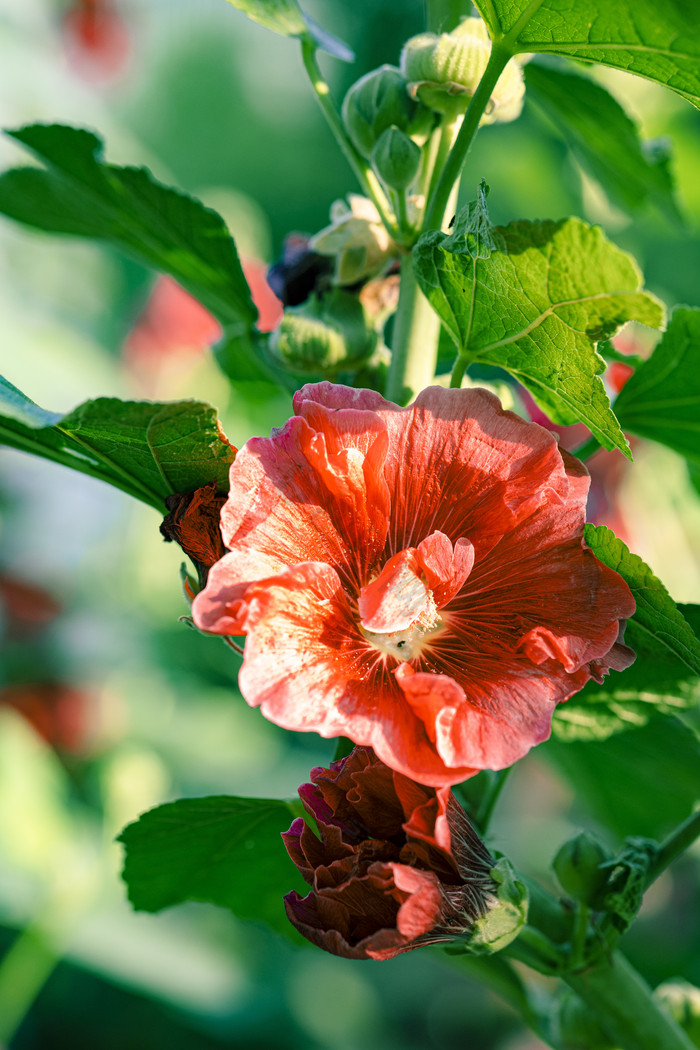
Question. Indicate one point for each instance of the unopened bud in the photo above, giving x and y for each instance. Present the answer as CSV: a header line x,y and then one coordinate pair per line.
x,y
396,158
358,240
375,102
324,335
577,866
443,71
682,1000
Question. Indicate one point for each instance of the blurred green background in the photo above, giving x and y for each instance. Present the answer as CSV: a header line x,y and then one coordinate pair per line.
x,y
108,704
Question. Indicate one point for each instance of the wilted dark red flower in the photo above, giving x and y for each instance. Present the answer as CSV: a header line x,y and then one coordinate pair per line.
x,y
398,865
193,522
413,578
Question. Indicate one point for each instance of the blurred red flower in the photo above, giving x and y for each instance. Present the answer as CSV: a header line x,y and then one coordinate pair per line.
x,y
96,38
398,865
413,578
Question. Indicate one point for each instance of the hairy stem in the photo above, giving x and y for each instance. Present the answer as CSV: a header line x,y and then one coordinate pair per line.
x,y
415,340
366,177
622,1003
678,841
439,198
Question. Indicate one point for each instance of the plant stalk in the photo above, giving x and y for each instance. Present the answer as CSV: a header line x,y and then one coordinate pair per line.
x,y
366,177
439,198
415,340
678,841
622,1003
25,969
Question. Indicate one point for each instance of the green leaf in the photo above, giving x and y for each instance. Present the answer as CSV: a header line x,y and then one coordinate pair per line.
x,y
536,307
656,683
657,620
659,41
640,782
220,849
287,18
661,400
79,194
148,449
604,139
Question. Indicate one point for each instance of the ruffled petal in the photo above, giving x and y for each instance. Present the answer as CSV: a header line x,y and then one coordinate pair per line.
x,y
446,567
397,597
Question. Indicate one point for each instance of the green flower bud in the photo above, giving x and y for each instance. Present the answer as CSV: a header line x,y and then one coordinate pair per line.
x,y
682,1000
396,158
375,102
443,71
324,335
577,866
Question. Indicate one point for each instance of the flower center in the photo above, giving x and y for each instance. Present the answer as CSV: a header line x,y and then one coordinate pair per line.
x,y
409,643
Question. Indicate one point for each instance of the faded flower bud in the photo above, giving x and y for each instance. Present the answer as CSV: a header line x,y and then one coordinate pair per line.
x,y
357,239
396,158
444,70
577,866
377,101
193,521
398,864
324,335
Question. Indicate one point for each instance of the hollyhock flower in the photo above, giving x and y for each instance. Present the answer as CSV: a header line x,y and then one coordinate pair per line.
x,y
398,865
413,578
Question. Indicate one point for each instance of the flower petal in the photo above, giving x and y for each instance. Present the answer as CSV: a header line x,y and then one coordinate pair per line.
x,y
396,598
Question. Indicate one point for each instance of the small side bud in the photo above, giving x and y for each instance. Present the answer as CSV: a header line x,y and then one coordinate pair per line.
x,y
444,70
682,1000
324,335
577,866
396,158
377,101
356,238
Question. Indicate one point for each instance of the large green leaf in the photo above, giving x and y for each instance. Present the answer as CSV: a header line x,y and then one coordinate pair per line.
x,y
287,18
657,621
536,307
656,683
659,41
79,194
640,782
604,139
148,449
662,399
223,850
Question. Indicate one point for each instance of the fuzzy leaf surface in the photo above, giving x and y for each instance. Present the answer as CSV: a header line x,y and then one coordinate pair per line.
x,y
148,449
536,307
659,41
661,400
604,139
220,849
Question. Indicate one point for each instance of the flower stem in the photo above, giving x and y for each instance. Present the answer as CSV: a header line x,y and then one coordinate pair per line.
x,y
415,340
437,204
366,177
678,841
24,971
622,1002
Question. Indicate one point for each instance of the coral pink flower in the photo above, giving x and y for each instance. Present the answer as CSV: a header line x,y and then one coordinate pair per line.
x,y
398,865
413,578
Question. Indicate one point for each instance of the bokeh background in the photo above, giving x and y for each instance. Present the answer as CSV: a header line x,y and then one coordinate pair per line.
x,y
108,704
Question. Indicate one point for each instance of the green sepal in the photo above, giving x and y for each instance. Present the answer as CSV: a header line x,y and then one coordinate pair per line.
x,y
506,917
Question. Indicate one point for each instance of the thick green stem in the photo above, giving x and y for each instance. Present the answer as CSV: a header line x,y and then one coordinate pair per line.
x,y
24,971
415,340
622,1003
678,841
366,177
437,205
